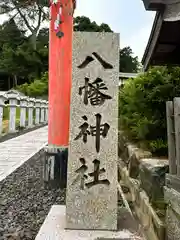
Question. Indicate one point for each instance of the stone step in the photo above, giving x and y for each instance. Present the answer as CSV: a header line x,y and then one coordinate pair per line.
x,y
54,228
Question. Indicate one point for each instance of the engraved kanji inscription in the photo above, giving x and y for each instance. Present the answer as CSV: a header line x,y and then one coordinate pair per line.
x,y
97,131
81,173
84,130
93,91
82,177
95,175
89,59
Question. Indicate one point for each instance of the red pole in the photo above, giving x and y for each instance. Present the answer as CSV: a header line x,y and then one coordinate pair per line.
x,y
60,74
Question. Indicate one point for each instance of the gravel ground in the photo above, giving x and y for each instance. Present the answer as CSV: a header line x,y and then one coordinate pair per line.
x,y
24,202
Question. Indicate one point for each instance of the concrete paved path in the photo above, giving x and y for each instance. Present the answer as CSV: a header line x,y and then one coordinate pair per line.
x,y
16,151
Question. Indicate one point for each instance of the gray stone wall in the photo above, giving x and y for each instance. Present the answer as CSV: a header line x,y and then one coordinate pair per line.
x,y
172,198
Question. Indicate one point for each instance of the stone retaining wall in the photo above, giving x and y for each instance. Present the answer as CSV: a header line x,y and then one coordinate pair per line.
x,y
172,198
145,178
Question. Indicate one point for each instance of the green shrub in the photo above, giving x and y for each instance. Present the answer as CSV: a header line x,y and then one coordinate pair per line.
x,y
39,87
142,105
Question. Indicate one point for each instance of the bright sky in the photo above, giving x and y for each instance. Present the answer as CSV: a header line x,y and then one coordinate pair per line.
x,y
127,17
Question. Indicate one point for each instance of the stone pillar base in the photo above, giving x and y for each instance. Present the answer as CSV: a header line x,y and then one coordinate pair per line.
x,y
55,167
54,228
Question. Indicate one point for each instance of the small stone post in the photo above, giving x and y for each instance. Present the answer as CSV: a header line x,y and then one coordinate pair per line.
x,y
37,111
42,111
23,106
30,112
46,112
2,99
13,97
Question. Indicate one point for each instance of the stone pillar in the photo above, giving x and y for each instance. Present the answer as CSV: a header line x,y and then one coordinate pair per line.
x,y
2,99
13,97
37,111
91,199
46,112
30,112
45,106
23,107
42,111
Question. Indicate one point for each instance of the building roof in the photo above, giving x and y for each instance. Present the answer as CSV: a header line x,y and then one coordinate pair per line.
x,y
152,38
164,40
127,75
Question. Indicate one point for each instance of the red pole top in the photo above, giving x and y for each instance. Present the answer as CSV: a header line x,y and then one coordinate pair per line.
x,y
60,71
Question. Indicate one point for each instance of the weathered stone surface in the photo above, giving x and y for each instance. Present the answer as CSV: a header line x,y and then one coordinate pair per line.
x,y
153,226
53,228
152,177
172,225
93,207
173,181
122,147
172,198
135,156
130,154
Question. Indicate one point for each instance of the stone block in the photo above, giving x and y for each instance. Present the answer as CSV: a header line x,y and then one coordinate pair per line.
x,y
173,181
92,166
135,156
172,198
152,178
130,154
122,147
152,225
54,228
172,225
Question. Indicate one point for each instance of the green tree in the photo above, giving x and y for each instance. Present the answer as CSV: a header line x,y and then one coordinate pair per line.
x,y
128,63
10,38
10,33
142,105
43,38
28,15
84,24
22,62
19,62
39,87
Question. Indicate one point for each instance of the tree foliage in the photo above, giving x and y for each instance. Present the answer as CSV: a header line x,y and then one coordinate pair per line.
x,y
84,24
37,88
21,63
28,15
128,63
142,105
